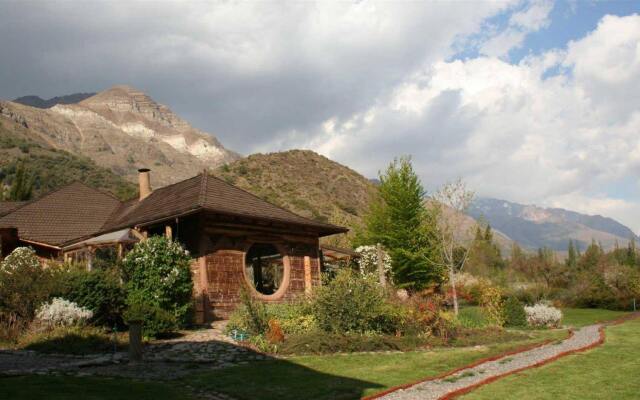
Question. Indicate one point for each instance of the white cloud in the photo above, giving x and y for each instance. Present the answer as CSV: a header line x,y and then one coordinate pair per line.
x,y
533,17
512,131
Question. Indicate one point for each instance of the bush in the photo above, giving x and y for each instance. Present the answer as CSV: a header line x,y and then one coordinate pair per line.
x,y
253,317
156,322
79,340
61,312
354,303
158,278
101,292
492,305
514,314
541,315
24,284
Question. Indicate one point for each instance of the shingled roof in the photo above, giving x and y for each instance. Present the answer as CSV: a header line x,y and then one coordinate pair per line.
x,y
69,213
208,193
8,206
77,212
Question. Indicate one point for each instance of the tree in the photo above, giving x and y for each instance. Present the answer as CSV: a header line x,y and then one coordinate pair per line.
x,y
455,200
399,220
572,257
22,186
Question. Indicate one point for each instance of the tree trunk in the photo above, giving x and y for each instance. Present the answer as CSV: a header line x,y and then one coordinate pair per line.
x,y
452,279
381,275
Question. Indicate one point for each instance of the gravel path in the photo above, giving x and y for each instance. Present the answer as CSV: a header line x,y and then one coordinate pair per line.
x,y
436,389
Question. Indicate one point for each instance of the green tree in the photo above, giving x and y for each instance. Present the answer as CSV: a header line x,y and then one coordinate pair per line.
x,y
572,256
399,220
22,186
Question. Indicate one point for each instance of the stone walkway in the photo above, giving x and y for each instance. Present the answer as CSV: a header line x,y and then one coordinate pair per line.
x,y
470,377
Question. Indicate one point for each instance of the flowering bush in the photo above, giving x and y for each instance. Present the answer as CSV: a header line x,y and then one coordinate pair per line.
x,y
157,275
543,315
368,261
61,312
24,284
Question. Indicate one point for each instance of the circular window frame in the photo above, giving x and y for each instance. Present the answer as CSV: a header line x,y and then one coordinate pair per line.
x,y
286,275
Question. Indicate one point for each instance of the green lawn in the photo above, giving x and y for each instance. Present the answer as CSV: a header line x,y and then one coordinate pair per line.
x,y
578,317
66,387
345,376
607,372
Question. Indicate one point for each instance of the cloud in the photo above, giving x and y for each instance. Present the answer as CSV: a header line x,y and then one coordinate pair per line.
x,y
532,18
365,82
515,131
247,72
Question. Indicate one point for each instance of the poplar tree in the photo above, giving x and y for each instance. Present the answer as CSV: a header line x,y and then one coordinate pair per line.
x,y
572,257
22,186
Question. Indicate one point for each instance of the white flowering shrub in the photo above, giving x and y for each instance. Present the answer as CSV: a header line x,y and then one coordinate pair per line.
x,y
61,312
20,259
543,315
368,261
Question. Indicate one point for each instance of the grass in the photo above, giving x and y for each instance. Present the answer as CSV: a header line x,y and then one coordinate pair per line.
x,y
67,387
346,376
607,372
578,317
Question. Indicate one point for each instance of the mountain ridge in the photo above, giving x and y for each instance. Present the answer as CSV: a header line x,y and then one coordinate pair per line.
x,y
38,102
123,129
534,227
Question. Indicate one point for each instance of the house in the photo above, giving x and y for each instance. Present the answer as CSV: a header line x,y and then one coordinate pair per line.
x,y
235,238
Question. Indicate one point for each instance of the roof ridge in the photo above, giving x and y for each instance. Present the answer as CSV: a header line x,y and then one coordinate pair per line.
x,y
268,202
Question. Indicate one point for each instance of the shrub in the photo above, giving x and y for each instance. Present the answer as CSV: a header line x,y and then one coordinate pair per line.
x,y
425,315
353,303
156,322
101,292
78,340
294,318
274,333
61,312
514,314
158,278
24,284
541,315
492,305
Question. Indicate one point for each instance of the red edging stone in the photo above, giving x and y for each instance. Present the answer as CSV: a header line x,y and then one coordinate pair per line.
x,y
474,364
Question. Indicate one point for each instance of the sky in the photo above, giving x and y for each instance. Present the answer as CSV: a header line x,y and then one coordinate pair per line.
x,y
529,101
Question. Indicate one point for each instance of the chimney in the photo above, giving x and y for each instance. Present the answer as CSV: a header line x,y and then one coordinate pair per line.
x,y
144,182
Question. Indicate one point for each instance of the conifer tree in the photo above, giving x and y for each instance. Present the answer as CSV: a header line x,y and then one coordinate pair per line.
x,y
572,259
399,220
22,186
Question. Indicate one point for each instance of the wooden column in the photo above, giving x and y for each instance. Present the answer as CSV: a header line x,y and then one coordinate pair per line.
x,y
168,232
307,275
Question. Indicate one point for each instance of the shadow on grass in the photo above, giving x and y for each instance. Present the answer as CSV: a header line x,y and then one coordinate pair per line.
x,y
209,366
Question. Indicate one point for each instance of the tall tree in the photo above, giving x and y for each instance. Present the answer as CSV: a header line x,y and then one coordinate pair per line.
x,y
572,257
22,186
399,220
455,200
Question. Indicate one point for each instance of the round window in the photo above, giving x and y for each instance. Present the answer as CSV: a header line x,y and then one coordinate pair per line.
x,y
265,268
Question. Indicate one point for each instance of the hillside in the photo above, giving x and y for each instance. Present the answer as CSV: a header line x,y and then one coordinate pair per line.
x,y
305,183
534,227
123,129
52,168
38,102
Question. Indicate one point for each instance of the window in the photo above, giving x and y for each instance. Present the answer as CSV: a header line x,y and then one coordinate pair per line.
x,y
265,268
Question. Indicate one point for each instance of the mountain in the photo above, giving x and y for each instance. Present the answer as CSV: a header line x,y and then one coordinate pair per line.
x,y
51,168
123,129
534,227
38,102
306,183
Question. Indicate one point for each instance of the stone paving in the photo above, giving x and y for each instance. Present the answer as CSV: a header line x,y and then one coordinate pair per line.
x,y
436,389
